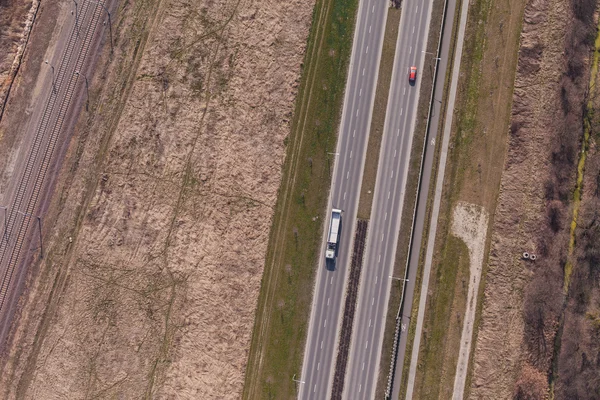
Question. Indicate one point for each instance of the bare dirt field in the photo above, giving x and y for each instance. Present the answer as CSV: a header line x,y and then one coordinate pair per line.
x,y
158,231
469,223
498,353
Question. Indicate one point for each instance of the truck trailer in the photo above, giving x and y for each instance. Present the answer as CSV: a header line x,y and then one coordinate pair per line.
x,y
334,233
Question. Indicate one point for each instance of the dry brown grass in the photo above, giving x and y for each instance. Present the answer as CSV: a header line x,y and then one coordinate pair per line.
x,y
16,20
511,311
168,194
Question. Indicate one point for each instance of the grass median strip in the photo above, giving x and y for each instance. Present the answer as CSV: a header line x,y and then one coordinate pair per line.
x,y
284,302
379,108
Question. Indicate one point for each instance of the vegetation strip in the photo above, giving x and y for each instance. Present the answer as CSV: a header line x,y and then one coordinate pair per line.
x,y
588,115
288,279
475,160
585,144
349,309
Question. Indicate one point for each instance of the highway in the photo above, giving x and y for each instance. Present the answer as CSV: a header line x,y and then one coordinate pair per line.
x,y
327,308
384,225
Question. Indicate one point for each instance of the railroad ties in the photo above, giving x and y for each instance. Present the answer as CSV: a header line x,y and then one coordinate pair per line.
x,y
40,158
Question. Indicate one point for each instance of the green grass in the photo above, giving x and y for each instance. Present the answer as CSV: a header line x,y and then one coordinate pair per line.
x,y
285,298
386,66
419,277
466,119
445,300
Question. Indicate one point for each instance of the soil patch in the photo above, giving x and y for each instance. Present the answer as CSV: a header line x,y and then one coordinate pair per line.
x,y
295,239
470,224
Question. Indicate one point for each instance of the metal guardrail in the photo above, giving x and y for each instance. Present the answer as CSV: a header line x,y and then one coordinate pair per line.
x,y
412,228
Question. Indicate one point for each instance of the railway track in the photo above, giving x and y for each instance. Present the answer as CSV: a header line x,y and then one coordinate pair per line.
x,y
32,182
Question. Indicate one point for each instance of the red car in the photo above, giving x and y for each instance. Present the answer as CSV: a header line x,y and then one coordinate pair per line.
x,y
412,75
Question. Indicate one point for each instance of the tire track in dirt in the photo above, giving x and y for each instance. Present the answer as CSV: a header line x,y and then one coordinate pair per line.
x,y
187,173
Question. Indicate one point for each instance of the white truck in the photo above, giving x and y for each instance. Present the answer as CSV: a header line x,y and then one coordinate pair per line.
x,y
334,233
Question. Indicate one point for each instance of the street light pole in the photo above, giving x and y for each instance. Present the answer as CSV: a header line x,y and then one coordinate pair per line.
x,y
39,219
4,234
109,27
76,19
41,243
109,23
87,90
53,78
427,52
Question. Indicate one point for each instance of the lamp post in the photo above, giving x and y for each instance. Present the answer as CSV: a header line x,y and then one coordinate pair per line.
x,y
437,59
53,83
328,162
428,52
39,219
76,19
297,380
4,234
109,23
87,90
109,27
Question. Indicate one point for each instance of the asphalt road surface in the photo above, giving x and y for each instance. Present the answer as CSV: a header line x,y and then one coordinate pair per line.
x,y
327,308
375,286
450,12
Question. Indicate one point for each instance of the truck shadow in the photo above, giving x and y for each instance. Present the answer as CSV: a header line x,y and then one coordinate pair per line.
x,y
330,264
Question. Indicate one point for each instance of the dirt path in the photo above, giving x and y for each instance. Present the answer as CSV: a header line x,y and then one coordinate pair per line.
x,y
470,223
